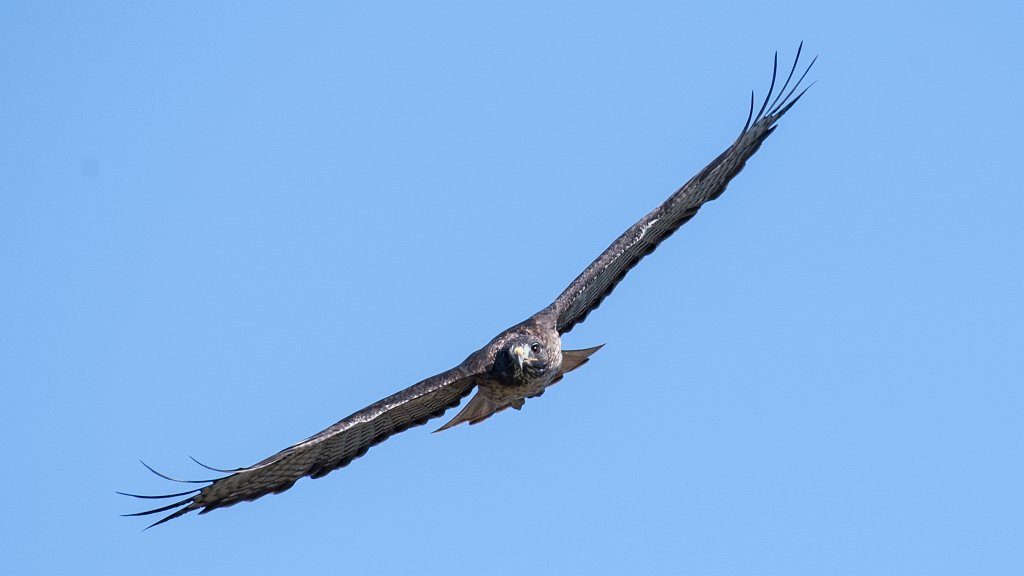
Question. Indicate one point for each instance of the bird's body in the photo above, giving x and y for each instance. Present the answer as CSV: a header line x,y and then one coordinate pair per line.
x,y
519,363
527,358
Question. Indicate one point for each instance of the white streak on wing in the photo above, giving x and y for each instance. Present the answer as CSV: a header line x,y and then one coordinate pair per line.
x,y
643,231
636,240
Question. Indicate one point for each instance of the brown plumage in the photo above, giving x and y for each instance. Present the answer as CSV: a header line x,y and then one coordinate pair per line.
x,y
517,364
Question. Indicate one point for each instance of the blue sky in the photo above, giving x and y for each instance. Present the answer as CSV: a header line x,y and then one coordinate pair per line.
x,y
224,227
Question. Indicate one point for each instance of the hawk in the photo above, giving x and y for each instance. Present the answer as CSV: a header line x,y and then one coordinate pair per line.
x,y
518,364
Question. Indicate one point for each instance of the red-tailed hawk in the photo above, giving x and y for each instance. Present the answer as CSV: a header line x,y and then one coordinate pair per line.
x,y
518,364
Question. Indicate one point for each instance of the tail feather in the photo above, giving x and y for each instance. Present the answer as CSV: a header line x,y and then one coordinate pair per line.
x,y
477,410
573,359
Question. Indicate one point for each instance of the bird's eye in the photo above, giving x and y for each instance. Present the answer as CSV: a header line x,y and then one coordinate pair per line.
x,y
535,348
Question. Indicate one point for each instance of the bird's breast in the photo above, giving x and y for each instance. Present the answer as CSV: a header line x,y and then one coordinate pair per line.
x,y
510,390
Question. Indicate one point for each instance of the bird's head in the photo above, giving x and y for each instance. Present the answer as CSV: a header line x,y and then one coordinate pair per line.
x,y
529,356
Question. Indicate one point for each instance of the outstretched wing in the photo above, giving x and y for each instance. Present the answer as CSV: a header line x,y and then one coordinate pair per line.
x,y
586,292
328,450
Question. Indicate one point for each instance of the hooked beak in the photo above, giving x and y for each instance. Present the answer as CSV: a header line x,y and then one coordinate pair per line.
x,y
519,355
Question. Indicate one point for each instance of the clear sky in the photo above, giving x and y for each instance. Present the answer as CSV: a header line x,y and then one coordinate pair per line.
x,y
224,227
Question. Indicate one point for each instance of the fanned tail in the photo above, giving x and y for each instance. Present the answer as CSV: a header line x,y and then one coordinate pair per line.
x,y
477,410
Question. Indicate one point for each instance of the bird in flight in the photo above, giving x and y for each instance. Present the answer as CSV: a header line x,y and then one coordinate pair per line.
x,y
518,364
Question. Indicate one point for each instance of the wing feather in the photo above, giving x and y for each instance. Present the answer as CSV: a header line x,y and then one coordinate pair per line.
x,y
586,292
329,449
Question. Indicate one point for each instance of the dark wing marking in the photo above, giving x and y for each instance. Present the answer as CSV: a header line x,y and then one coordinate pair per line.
x,y
586,292
332,448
